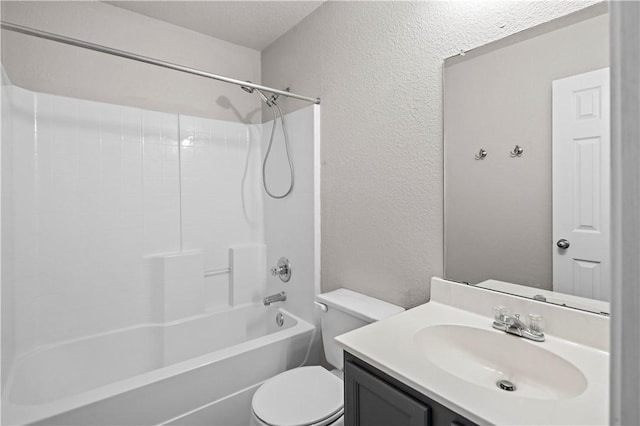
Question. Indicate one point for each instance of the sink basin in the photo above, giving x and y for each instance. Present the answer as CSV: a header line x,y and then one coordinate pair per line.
x,y
485,357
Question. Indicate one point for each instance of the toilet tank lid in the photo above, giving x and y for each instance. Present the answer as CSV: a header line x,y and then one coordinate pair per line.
x,y
364,307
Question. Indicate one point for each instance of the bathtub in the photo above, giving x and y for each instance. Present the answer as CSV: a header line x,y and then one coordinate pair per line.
x,y
187,372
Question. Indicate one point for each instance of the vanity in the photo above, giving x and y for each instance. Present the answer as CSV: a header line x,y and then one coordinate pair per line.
x,y
443,363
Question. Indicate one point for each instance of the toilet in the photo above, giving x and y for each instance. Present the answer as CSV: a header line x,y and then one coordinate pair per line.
x,y
313,396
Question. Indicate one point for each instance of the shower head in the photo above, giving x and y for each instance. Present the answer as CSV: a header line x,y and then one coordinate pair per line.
x,y
260,93
264,97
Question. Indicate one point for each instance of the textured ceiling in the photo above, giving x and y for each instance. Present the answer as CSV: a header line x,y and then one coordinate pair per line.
x,y
254,24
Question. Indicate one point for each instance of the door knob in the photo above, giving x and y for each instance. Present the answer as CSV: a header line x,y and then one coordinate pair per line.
x,y
563,244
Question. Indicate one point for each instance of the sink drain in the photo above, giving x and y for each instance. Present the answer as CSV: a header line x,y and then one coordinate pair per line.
x,y
506,385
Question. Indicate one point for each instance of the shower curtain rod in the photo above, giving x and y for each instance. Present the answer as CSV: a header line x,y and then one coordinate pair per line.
x,y
123,54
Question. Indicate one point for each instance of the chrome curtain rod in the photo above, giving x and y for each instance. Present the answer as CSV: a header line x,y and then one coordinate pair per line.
x,y
121,53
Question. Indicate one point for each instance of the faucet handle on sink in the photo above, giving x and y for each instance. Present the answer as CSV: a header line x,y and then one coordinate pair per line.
x,y
499,313
536,323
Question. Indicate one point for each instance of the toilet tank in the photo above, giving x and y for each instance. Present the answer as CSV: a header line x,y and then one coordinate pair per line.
x,y
348,310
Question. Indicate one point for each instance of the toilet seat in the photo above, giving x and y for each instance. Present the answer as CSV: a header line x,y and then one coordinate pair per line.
x,y
300,397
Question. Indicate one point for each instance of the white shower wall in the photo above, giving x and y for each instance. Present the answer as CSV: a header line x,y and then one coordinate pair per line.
x,y
94,194
6,292
290,223
221,195
95,188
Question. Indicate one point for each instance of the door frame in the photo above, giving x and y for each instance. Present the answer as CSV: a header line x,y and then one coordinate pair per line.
x,y
625,212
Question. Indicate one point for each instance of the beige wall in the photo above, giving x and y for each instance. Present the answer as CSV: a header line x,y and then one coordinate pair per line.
x,y
378,68
50,67
498,210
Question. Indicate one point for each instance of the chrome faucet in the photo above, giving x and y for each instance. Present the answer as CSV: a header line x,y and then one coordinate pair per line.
x,y
513,325
279,297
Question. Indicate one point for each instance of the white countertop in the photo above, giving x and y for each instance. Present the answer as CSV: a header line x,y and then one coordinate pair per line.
x,y
389,346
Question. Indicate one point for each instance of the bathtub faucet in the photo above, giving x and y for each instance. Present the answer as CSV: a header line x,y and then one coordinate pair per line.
x,y
280,297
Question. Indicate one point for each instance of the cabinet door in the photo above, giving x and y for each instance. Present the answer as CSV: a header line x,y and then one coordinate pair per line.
x,y
370,401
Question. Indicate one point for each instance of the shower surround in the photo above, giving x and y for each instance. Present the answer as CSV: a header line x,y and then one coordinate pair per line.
x,y
118,220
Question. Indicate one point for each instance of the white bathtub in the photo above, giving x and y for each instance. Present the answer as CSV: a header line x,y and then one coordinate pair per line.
x,y
156,374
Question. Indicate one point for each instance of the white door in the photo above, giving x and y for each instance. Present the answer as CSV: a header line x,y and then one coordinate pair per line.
x,y
581,193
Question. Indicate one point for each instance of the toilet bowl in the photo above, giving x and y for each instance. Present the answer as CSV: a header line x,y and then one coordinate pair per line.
x,y
301,396
313,395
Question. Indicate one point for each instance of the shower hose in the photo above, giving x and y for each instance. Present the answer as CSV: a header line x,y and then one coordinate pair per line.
x,y
286,145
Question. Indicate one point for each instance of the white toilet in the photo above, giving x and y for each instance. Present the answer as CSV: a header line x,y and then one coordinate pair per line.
x,y
313,395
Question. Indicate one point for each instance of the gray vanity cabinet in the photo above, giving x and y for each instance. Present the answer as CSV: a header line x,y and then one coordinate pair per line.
x,y
372,398
373,402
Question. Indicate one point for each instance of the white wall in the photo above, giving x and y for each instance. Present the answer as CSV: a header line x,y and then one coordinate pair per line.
x,y
68,71
6,271
55,68
97,193
221,204
291,223
378,68
115,215
99,196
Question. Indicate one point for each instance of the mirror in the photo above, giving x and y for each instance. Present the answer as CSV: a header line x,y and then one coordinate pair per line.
x,y
526,148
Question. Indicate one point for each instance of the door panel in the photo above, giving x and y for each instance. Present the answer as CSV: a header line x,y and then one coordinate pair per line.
x,y
581,185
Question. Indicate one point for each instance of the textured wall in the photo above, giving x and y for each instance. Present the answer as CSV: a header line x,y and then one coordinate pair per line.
x,y
50,67
378,68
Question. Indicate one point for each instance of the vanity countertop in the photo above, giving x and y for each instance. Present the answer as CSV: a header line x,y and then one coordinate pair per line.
x,y
390,345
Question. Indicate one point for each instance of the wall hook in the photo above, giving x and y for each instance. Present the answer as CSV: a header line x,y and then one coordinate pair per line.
x,y
517,151
481,154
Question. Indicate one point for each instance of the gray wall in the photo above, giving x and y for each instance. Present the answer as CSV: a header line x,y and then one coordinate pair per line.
x,y
498,211
378,68
50,67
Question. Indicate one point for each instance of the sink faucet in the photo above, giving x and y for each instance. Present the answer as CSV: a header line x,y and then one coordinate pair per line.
x,y
513,325
279,297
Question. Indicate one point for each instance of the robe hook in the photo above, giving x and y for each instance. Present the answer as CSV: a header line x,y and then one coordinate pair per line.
x,y
517,151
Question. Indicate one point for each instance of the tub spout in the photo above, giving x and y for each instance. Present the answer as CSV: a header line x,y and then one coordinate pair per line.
x,y
280,297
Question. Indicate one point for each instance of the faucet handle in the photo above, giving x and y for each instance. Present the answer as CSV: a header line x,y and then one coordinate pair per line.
x,y
275,271
282,270
536,323
499,313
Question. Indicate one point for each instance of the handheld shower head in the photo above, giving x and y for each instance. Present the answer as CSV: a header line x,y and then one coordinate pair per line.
x,y
271,103
264,97
260,93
